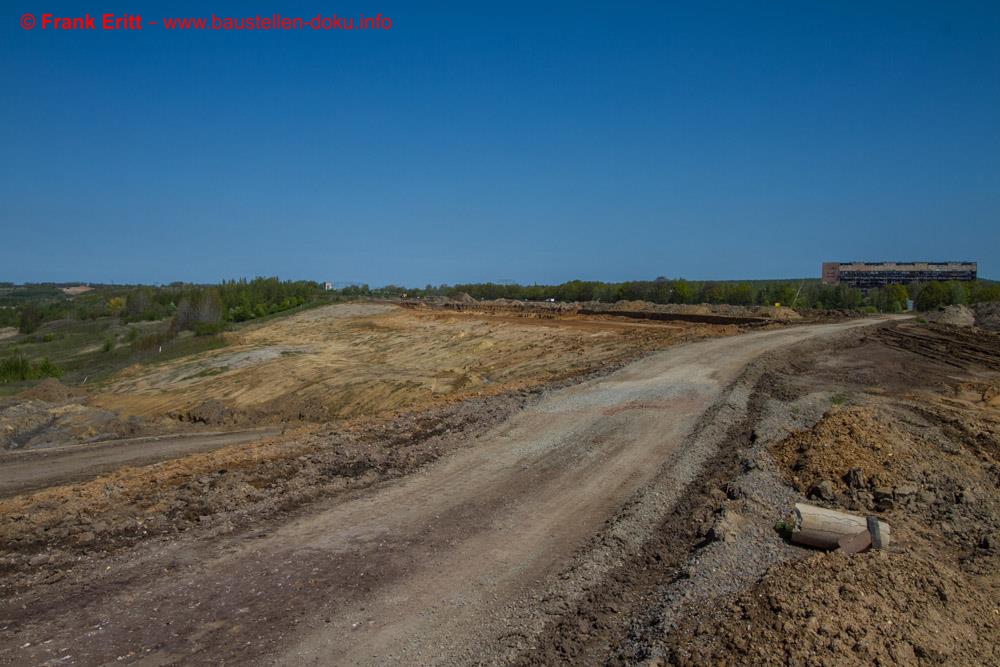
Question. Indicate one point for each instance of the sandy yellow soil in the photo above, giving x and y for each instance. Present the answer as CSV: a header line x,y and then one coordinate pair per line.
x,y
359,360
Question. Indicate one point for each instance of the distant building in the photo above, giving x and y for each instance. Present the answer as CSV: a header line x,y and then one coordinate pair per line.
x,y
867,275
328,286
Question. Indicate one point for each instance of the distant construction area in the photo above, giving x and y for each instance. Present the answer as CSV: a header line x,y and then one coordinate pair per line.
x,y
868,275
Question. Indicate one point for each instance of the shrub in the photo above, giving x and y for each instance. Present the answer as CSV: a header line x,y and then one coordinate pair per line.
x,y
198,308
933,295
208,328
30,319
19,369
985,292
116,305
151,342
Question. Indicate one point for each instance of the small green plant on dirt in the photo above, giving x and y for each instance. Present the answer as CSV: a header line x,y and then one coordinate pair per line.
x,y
785,528
840,398
109,344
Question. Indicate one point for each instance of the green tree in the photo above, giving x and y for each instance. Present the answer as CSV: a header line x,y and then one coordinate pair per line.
x,y
30,318
932,296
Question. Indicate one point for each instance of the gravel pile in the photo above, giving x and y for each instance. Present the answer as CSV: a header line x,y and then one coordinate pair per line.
x,y
959,316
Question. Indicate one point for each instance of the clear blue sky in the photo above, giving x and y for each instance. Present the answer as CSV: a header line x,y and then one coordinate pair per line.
x,y
476,142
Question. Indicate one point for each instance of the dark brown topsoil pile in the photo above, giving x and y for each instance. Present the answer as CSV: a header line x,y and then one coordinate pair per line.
x,y
51,390
875,608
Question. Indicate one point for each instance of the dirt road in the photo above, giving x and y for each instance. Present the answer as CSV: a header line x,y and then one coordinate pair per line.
x,y
24,471
456,564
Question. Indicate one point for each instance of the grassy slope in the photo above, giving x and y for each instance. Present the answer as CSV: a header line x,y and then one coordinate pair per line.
x,y
77,347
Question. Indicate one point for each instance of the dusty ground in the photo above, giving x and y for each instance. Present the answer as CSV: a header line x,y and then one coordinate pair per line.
x,y
362,358
626,518
915,440
327,364
366,360
901,422
477,556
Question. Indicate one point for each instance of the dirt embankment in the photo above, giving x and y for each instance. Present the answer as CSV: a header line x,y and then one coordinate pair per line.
x,y
700,313
51,414
982,315
368,360
958,316
988,316
912,436
332,363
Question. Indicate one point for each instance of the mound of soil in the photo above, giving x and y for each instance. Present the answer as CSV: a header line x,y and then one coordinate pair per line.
x,y
846,439
212,412
50,414
959,316
34,424
988,316
876,608
50,390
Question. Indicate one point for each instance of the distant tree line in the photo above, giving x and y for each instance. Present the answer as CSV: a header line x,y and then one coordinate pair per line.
x,y
199,308
800,293
933,295
807,293
796,293
206,309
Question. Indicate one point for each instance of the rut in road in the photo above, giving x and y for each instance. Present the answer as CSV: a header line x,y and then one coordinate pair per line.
x,y
447,566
